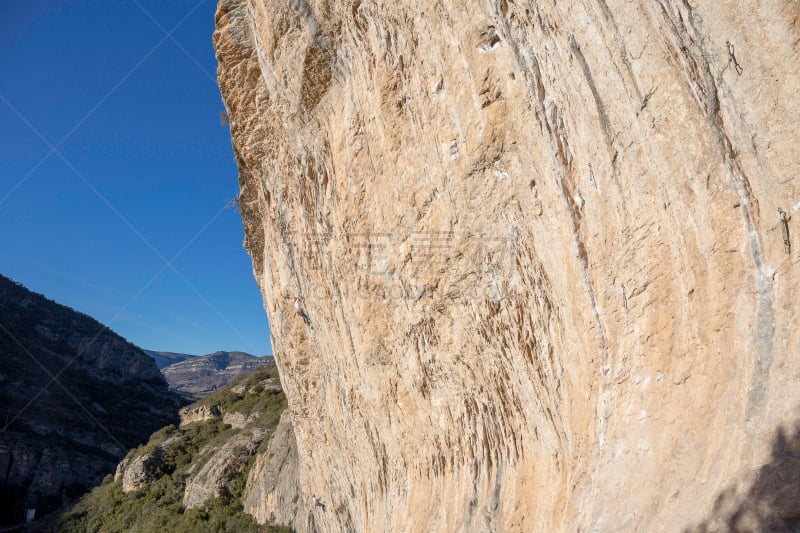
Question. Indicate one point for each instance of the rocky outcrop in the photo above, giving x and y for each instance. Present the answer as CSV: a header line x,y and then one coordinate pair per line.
x,y
272,494
216,476
137,471
141,471
539,249
75,397
198,413
269,385
238,420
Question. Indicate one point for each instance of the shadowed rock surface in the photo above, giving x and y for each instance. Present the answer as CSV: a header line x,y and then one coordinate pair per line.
x,y
272,491
59,438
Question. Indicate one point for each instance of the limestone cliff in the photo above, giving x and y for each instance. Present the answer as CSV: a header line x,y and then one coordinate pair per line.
x,y
272,493
539,248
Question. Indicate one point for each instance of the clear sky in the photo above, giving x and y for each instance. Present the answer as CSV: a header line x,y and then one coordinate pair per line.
x,y
115,172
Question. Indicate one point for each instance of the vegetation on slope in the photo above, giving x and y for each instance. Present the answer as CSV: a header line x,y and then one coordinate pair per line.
x,y
158,506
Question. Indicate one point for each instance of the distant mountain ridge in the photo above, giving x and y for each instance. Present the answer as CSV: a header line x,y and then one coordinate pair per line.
x,y
164,359
196,376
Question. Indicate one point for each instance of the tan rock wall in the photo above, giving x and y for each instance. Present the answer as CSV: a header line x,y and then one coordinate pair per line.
x,y
272,493
539,250
215,477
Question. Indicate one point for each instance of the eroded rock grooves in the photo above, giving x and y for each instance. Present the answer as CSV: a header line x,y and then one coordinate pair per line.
x,y
538,246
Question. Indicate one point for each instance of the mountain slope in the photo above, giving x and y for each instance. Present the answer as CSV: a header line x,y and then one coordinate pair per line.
x,y
164,359
62,436
191,478
200,375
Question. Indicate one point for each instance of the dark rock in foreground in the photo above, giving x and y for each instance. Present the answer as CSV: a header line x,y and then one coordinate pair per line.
x,y
75,396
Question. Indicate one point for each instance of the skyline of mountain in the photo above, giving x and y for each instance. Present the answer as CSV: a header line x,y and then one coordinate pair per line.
x,y
199,375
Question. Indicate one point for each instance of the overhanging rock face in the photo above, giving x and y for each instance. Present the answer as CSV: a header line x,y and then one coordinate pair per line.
x,y
539,249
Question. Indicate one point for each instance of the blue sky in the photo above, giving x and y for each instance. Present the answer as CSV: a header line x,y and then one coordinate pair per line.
x,y
141,173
